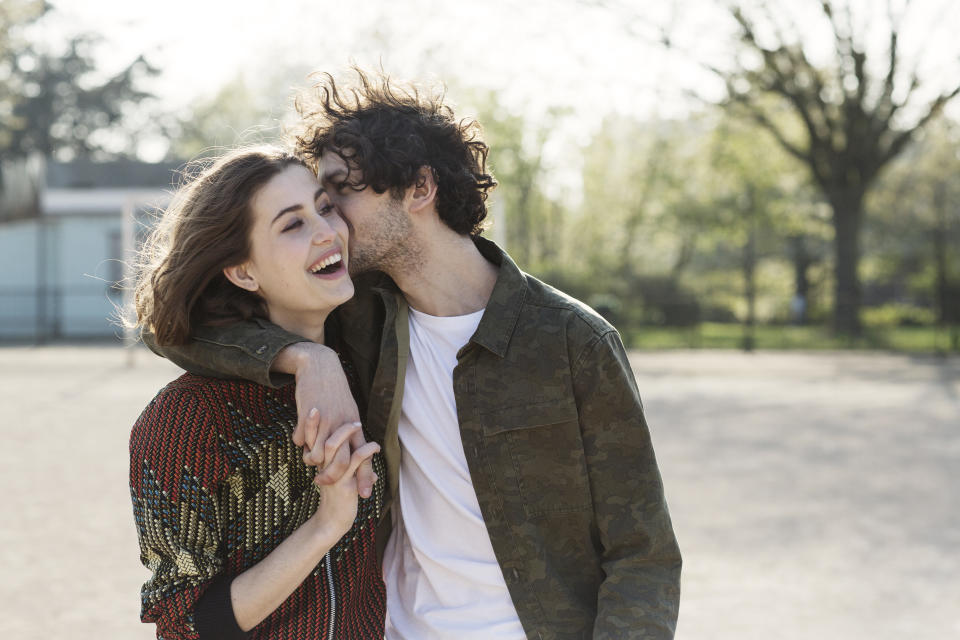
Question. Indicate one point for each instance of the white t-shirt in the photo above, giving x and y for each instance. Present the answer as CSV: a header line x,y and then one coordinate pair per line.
x,y
442,577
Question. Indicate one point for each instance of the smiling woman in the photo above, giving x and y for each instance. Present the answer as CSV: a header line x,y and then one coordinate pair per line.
x,y
240,539
298,254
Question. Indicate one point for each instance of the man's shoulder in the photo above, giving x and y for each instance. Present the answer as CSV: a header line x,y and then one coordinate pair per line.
x,y
549,302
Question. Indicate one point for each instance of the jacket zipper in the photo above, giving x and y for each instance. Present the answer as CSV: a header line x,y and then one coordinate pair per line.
x,y
333,597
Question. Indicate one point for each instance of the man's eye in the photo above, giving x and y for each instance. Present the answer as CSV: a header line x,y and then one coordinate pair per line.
x,y
292,225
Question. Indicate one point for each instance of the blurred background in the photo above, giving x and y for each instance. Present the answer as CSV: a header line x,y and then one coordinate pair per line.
x,y
705,173
761,195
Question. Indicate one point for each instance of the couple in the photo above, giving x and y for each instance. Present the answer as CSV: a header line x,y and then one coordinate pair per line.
x,y
517,494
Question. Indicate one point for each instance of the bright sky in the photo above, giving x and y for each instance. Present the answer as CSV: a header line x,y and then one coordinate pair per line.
x,y
557,51
537,53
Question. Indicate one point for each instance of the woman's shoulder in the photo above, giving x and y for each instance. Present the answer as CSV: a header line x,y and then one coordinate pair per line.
x,y
195,404
209,392
207,405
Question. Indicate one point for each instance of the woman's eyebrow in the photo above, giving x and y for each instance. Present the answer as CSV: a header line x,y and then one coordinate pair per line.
x,y
293,207
297,207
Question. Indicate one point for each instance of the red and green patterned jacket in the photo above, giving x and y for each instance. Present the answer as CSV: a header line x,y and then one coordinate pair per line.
x,y
217,484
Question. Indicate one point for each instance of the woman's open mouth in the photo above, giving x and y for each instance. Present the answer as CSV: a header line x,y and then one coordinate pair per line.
x,y
330,265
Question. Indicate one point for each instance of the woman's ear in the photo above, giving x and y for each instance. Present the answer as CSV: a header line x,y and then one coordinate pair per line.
x,y
240,275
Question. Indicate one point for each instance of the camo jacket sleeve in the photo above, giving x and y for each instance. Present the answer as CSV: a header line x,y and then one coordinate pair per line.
x,y
640,593
242,350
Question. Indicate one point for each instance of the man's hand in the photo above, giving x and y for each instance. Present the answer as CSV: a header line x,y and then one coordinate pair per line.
x,y
324,402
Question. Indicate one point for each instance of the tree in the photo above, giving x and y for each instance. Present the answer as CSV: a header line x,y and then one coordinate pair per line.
x,y
56,103
753,181
916,224
647,212
532,219
855,119
19,179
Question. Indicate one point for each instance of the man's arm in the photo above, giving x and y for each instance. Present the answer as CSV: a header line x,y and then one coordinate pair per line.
x,y
263,352
640,594
242,350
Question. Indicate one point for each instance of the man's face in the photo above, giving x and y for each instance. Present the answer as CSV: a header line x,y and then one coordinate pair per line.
x,y
380,228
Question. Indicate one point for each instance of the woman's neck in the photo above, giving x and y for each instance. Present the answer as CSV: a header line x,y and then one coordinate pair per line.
x,y
308,325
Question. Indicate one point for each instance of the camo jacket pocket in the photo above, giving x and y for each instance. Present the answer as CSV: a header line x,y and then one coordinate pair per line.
x,y
544,444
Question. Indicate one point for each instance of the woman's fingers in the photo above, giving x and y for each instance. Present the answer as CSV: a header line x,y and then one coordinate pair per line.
x,y
323,455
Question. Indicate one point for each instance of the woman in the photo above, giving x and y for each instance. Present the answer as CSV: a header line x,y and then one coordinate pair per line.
x,y
240,540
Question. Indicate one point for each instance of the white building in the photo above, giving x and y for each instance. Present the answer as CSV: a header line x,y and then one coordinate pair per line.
x,y
61,266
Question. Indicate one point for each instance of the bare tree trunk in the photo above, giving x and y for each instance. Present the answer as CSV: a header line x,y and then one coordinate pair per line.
x,y
548,235
801,278
940,250
847,207
946,306
520,248
749,274
684,256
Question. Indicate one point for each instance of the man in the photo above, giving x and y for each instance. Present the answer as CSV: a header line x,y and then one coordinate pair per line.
x,y
526,499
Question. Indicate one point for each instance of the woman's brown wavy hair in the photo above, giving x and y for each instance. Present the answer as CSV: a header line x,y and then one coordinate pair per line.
x,y
180,283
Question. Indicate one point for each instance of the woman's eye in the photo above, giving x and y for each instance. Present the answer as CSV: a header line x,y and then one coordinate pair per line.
x,y
324,209
293,225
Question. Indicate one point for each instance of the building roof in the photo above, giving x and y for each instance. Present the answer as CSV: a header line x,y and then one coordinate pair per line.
x,y
100,202
84,174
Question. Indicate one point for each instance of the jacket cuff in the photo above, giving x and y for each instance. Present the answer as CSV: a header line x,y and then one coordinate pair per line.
x,y
213,616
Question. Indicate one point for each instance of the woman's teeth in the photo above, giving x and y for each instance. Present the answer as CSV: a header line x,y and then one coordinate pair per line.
x,y
329,261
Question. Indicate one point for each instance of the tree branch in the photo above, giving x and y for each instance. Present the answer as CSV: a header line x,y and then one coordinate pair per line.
x,y
758,115
903,137
785,65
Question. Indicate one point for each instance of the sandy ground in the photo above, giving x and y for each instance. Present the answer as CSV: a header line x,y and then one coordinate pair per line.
x,y
814,496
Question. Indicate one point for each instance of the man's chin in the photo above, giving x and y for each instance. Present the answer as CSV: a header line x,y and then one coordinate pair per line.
x,y
358,268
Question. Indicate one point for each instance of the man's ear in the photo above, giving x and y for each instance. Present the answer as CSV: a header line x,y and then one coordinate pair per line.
x,y
240,275
423,194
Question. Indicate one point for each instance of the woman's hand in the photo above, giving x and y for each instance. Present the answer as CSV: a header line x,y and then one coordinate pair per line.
x,y
339,490
323,400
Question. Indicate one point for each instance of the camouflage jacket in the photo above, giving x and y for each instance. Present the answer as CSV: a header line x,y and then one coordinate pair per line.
x,y
555,439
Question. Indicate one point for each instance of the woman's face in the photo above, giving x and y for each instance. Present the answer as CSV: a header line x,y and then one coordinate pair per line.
x,y
298,258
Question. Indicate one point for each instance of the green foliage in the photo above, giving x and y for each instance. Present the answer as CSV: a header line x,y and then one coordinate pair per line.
x,y
898,315
678,217
819,337
531,221
914,231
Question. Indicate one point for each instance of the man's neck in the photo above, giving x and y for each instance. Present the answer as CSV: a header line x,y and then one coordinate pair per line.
x,y
452,278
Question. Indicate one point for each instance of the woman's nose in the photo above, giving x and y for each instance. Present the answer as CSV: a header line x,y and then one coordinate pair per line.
x,y
323,233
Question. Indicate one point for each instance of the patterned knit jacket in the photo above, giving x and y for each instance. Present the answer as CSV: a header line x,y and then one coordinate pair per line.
x,y
217,484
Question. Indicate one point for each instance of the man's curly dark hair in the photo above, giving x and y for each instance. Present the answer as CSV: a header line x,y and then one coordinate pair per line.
x,y
389,133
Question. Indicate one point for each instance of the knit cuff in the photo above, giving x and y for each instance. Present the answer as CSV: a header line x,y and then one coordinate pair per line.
x,y
213,614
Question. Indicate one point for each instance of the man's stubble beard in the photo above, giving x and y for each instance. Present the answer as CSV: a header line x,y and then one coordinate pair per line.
x,y
388,244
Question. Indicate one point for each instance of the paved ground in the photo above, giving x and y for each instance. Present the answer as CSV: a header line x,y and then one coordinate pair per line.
x,y
815,496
